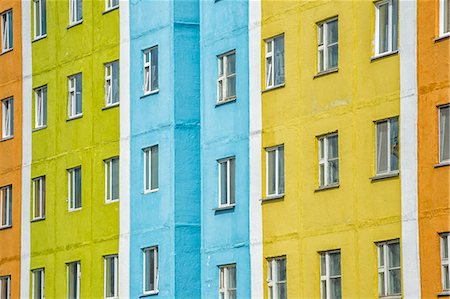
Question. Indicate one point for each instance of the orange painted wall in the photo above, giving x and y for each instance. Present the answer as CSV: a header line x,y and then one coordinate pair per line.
x,y
11,150
434,182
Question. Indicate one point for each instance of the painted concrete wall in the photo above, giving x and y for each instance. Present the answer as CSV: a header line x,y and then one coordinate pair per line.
x,y
168,218
224,133
92,232
361,211
11,149
434,188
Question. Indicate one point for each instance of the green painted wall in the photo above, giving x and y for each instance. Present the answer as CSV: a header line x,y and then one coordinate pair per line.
x,y
92,232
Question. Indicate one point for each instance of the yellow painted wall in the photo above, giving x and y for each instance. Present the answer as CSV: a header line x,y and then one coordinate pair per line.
x,y
360,212
92,232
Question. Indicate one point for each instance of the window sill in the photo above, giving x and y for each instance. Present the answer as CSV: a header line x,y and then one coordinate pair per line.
x,y
323,188
383,55
110,9
111,201
442,164
74,117
152,293
37,38
6,227
6,51
444,294
150,93
273,87
227,101
74,210
6,138
110,106
224,208
327,72
383,176
39,128
442,37
391,297
37,219
75,24
151,191
273,197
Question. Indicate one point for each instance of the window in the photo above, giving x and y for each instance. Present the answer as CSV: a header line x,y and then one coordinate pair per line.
x,y
275,61
110,4
73,280
328,160
275,170
40,18
7,30
387,150
330,275
40,118
150,270
389,278
276,278
111,276
112,83
5,287
75,93
227,185
151,169
112,179
386,26
75,11
151,70
444,17
5,206
39,198
328,44
226,82
74,188
445,262
227,282
444,134
8,118
38,283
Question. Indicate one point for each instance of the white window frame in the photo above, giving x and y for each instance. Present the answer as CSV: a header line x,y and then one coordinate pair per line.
x,y
270,55
109,176
445,237
276,170
441,159
109,5
71,189
223,76
225,289
6,278
73,12
273,281
8,118
322,27
442,14
6,216
38,24
148,71
108,84
78,286
72,101
228,199
40,117
325,161
6,34
41,183
33,272
385,268
115,258
389,146
327,277
153,249
148,180
390,27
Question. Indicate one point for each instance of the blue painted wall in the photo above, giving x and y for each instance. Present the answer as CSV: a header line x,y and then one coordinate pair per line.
x,y
224,133
170,217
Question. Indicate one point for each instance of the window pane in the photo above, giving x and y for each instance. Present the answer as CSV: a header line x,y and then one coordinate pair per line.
x,y
333,56
232,180
394,151
282,291
446,276
154,66
322,174
394,25
77,188
333,173
444,133
332,32
37,22
115,82
231,64
231,294
281,170
108,179
222,278
231,86
281,269
269,270
394,282
78,82
223,183
109,277
335,264
4,206
323,289
269,71
381,255
335,288
446,16
383,28
382,157
37,284
152,269
44,16
72,287
115,178
232,277
381,288
147,169
321,65
444,243
44,106
394,255
271,172
333,147
154,171
323,269
320,34
79,10
4,282
279,60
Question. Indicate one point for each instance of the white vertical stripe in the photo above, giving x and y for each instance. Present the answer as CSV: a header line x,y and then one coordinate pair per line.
x,y
124,239
26,149
408,148
254,40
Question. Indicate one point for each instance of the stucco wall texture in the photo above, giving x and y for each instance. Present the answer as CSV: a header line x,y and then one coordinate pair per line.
x,y
11,149
360,212
85,235
433,62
